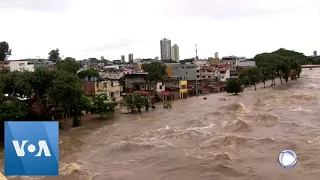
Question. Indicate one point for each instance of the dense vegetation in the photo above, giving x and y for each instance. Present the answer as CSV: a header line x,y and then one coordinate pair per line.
x,y
39,95
281,63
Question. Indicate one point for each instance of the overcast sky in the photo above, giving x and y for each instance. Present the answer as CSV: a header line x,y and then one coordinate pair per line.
x,y
111,28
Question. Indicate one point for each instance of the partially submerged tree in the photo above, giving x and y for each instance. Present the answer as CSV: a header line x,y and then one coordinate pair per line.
x,y
103,105
251,75
234,86
135,102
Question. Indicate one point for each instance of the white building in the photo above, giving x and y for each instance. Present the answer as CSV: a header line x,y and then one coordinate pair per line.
x,y
112,67
160,87
20,65
224,73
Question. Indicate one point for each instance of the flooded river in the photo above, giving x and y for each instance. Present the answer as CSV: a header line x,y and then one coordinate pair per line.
x,y
240,138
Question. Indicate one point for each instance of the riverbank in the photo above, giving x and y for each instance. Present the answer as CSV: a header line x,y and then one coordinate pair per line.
x,y
76,141
310,66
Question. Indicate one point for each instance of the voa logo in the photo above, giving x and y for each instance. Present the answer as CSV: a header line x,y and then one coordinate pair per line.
x,y
42,147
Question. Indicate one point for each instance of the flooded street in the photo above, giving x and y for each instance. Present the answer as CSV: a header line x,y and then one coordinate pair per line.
x,y
240,138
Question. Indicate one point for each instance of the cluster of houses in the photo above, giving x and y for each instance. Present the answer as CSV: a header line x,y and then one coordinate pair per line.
x,y
184,79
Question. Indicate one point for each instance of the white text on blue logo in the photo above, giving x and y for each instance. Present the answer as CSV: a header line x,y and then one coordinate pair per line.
x,y
42,144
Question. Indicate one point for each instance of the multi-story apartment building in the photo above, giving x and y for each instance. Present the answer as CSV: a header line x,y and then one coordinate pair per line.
x,y
165,49
175,53
200,64
185,71
110,87
232,61
209,72
123,59
130,58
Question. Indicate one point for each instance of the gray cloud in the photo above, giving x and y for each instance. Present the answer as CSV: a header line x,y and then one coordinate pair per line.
x,y
121,43
51,6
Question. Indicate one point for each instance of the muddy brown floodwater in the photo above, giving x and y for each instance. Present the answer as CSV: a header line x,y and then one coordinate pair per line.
x,y
240,138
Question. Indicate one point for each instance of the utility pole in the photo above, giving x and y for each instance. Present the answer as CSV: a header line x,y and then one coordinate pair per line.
x,y
196,58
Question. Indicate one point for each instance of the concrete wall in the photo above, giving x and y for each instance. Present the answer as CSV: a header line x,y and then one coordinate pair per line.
x,y
184,71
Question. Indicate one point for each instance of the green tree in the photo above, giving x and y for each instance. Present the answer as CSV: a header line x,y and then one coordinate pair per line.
x,y
69,64
234,86
251,75
264,75
54,55
88,73
103,105
156,71
280,63
44,90
135,102
12,110
5,51
66,92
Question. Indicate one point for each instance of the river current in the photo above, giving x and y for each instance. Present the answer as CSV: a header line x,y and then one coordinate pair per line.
x,y
237,138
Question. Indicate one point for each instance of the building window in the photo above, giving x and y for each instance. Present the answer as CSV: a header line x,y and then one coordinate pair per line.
x,y
198,71
105,84
160,87
112,94
198,76
203,76
209,76
111,84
